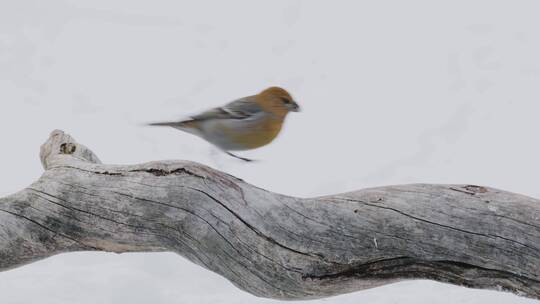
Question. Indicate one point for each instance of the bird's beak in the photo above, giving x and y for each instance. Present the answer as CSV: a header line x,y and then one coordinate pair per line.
x,y
294,107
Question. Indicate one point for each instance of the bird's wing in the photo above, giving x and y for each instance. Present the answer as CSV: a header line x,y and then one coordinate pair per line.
x,y
242,108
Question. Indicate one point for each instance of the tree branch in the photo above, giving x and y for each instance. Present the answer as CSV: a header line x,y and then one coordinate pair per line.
x,y
268,244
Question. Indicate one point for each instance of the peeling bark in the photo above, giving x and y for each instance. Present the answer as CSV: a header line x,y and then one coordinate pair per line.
x,y
269,244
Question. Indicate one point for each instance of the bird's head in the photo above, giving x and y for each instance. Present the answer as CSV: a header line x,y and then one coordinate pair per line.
x,y
278,100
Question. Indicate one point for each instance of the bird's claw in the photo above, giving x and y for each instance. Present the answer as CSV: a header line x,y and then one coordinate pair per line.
x,y
239,157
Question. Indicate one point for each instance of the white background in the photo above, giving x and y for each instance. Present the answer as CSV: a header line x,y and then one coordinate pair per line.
x,y
393,92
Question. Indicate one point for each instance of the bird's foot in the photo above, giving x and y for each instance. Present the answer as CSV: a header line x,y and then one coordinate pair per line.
x,y
239,157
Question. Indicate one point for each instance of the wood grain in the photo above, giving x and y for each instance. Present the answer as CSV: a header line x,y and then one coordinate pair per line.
x,y
269,244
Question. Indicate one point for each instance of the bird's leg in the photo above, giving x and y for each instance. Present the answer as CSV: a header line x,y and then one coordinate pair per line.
x,y
236,156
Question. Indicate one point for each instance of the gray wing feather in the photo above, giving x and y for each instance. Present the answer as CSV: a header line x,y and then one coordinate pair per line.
x,y
239,109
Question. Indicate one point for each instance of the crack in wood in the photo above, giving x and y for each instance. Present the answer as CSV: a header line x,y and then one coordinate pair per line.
x,y
162,172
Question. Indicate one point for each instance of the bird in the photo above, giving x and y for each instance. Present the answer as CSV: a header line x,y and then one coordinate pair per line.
x,y
243,124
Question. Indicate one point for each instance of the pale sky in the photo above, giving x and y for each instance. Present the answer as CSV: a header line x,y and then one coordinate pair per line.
x,y
393,92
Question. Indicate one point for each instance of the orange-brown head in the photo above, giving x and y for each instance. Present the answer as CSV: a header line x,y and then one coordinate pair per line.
x,y
277,101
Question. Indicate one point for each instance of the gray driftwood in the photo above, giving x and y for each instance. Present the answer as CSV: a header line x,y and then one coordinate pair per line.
x,y
269,244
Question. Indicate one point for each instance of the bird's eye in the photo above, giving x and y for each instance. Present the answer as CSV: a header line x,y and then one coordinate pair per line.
x,y
285,100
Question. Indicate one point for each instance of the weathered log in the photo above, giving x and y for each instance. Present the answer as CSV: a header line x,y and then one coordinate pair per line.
x,y
269,244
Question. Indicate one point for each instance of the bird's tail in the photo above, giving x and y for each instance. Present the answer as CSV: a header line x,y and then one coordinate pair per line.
x,y
189,126
166,124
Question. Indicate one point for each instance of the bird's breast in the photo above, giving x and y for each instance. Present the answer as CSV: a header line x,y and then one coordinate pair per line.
x,y
245,134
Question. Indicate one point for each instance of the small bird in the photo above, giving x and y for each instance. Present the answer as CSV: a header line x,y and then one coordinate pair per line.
x,y
243,124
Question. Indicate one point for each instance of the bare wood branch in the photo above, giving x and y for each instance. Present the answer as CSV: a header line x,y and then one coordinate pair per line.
x,y
268,244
